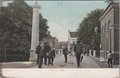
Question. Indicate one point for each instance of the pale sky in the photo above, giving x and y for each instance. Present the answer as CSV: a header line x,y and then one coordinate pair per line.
x,y
63,16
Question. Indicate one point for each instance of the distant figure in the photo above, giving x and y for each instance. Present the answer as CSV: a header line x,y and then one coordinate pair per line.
x,y
47,50
87,51
51,57
71,52
65,52
78,51
110,58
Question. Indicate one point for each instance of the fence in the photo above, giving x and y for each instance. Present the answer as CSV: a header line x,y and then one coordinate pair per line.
x,y
12,55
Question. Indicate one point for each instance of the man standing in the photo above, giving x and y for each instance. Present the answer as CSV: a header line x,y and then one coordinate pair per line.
x,y
38,49
51,57
65,52
39,53
78,51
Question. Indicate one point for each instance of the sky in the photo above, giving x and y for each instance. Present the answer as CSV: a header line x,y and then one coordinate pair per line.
x,y
64,16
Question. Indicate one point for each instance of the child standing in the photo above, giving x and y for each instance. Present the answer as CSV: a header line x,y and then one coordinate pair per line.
x,y
110,58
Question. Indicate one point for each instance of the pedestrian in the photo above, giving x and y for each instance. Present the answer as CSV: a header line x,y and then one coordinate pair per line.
x,y
39,53
65,52
78,51
51,57
110,58
88,51
47,50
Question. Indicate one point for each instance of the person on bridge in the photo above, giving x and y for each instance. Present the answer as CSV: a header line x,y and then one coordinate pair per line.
x,y
65,52
78,51
47,50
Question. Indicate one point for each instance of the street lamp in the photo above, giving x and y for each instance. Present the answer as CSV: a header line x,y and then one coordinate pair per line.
x,y
96,29
96,49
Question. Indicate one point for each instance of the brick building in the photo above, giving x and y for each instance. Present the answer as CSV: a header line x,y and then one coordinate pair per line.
x,y
110,31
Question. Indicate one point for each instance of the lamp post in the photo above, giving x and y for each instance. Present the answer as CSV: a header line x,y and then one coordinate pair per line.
x,y
96,29
96,32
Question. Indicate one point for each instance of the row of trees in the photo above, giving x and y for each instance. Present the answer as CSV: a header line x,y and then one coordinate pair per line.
x,y
86,29
15,27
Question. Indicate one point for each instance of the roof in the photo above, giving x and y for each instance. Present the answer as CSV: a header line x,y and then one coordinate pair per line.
x,y
109,7
74,34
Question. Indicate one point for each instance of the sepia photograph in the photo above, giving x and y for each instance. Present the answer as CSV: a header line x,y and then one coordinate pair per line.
x,y
59,38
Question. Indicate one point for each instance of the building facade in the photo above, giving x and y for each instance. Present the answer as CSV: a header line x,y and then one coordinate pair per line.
x,y
110,31
53,41
72,39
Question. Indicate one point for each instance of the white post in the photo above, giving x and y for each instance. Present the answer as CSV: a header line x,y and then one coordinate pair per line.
x,y
35,32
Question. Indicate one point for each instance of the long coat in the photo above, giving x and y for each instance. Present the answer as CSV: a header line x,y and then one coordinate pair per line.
x,y
78,49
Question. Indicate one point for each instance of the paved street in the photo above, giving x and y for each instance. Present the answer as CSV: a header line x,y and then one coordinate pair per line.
x,y
31,70
88,62
59,63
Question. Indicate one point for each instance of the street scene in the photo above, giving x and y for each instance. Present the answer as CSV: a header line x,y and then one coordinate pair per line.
x,y
59,35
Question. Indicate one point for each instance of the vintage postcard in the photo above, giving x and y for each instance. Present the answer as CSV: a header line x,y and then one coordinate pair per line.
x,y
59,38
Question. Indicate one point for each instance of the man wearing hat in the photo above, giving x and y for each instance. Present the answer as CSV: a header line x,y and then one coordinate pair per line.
x,y
78,51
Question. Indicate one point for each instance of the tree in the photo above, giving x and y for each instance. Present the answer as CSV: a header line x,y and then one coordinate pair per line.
x,y
16,24
86,28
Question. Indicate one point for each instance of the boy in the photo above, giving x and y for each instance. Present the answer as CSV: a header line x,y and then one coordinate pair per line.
x,y
110,58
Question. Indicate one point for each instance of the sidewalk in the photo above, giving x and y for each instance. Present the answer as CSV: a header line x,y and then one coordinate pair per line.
x,y
102,63
25,64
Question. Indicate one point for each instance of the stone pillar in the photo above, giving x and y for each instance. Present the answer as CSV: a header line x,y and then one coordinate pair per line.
x,y
35,32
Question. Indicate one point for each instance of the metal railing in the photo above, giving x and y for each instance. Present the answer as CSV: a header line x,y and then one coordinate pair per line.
x,y
10,55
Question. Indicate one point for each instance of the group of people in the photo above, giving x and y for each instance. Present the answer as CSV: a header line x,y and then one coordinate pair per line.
x,y
47,54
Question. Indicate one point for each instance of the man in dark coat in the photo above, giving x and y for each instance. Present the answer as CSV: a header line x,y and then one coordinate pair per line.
x,y
65,52
51,57
78,51
47,50
39,53
38,49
